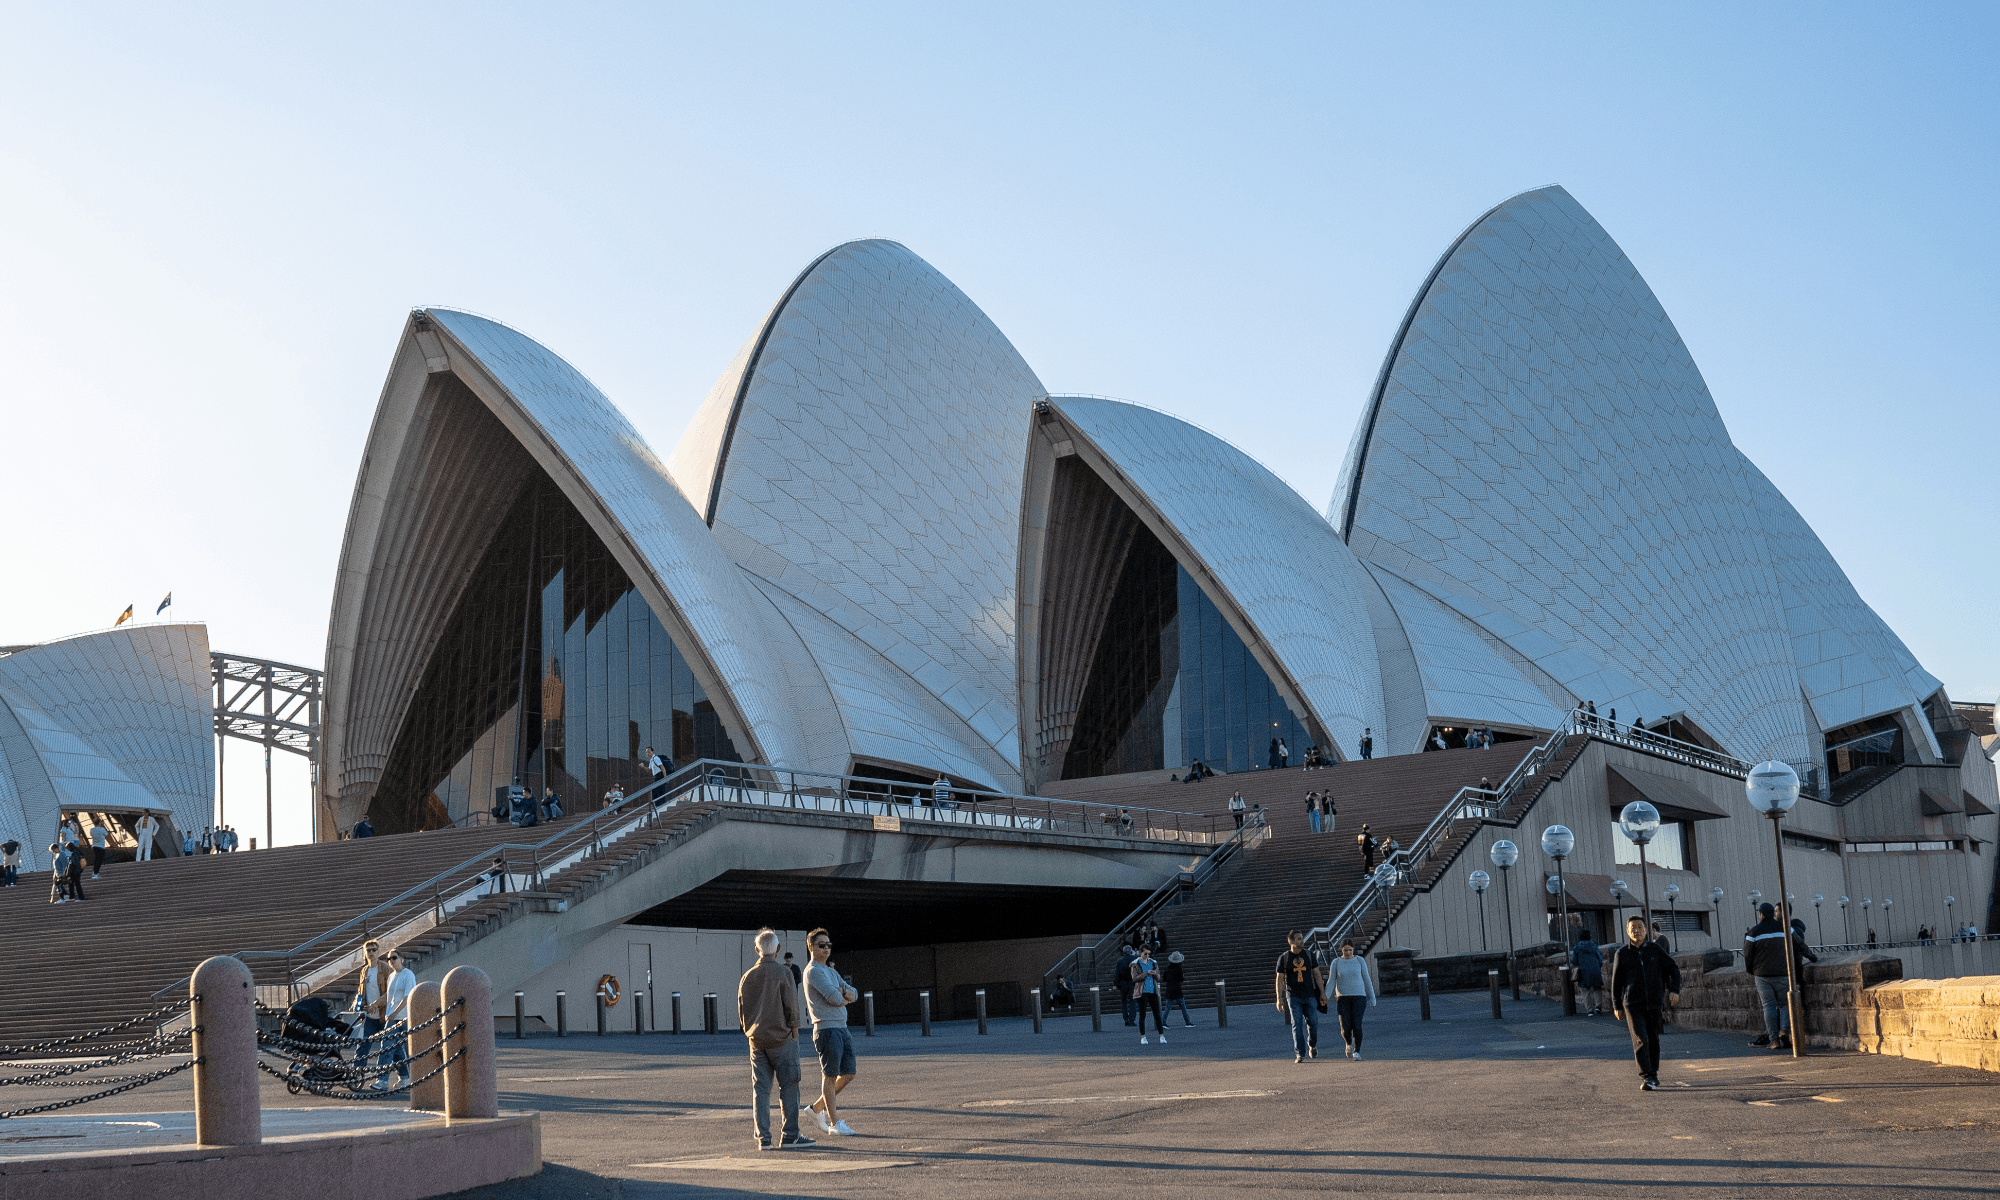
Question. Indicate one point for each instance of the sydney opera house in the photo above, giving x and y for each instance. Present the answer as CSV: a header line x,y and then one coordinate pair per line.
x,y
882,548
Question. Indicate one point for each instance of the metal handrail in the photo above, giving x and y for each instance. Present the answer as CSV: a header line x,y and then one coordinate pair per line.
x,y
718,781
1254,831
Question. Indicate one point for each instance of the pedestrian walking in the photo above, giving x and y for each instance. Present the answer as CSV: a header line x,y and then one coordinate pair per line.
x,y
1237,808
1764,953
1146,993
1366,841
827,998
1312,810
1121,977
656,767
767,1010
497,876
371,997
1367,744
75,871
147,829
1328,813
1353,987
10,863
1589,962
1301,994
1284,754
1644,983
1173,983
187,840
100,845
1272,755
396,1011
58,874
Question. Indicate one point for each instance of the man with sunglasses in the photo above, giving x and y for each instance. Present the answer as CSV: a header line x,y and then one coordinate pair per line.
x,y
827,998
396,1011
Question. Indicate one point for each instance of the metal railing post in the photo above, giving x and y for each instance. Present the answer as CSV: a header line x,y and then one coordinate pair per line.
x,y
868,1011
1096,1010
979,1007
924,1012
1221,1004
1035,997
562,1014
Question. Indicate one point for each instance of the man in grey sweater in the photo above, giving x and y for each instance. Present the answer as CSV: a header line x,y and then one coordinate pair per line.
x,y
827,998
767,1010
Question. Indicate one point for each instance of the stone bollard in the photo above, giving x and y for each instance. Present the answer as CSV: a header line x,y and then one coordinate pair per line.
x,y
427,1096
470,1091
226,1108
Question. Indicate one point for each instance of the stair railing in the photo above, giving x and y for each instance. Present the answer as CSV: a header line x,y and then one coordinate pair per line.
x,y
1187,879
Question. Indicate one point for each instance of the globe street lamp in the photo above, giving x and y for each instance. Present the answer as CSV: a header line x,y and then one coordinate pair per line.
x,y
1557,842
1865,902
1479,881
1715,895
1846,923
1948,918
1888,930
1772,789
1819,918
1619,890
1385,878
1639,821
1505,854
1673,917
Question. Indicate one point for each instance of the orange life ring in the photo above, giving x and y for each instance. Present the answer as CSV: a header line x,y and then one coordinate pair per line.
x,y
608,987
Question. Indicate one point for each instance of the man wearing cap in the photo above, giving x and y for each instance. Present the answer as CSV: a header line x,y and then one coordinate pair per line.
x,y
1764,953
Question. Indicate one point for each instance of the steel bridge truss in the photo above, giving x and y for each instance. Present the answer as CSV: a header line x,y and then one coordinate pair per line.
x,y
277,705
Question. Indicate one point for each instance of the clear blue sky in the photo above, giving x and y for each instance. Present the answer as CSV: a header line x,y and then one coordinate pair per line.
x,y
215,219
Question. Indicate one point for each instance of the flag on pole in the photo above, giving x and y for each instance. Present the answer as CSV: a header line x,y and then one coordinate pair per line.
x,y
163,604
123,617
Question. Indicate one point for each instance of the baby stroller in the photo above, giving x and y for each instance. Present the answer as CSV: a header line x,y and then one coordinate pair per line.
x,y
312,1022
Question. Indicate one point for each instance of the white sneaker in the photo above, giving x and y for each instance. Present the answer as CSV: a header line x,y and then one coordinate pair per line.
x,y
1357,1056
1163,1037
1142,1039
842,1127
819,1114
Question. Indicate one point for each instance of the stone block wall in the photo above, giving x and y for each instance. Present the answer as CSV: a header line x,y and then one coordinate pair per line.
x,y
1951,1022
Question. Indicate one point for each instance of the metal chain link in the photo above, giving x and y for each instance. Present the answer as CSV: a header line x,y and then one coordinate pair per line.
x,y
337,1093
39,1047
387,1037
138,1081
160,1046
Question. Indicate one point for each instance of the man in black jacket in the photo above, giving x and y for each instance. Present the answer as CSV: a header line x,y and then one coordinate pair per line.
x,y
1644,981
1764,959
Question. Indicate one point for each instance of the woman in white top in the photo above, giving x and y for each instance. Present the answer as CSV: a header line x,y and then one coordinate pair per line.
x,y
1353,987
396,1011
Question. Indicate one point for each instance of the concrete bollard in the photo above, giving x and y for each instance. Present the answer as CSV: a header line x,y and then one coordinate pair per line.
x,y
1035,997
1424,995
868,1011
226,1109
520,1015
677,1013
470,1091
427,1096
638,1013
1221,1004
924,1012
562,1014
1096,1010
1493,986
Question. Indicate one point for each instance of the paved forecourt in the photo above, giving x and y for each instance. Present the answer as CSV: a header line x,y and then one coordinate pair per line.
x,y
1464,1105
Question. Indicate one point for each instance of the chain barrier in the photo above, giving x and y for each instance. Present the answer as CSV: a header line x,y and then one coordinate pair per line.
x,y
58,1043
137,1081
301,1083
157,1046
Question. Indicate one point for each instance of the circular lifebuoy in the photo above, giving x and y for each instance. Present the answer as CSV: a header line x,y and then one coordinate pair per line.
x,y
608,987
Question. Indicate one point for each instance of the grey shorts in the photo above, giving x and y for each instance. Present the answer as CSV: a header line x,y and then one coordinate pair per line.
x,y
836,1050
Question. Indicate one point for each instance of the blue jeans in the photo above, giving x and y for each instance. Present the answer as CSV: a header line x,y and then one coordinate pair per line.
x,y
1131,1007
1182,1002
371,1028
782,1064
1777,1015
1305,1023
1312,814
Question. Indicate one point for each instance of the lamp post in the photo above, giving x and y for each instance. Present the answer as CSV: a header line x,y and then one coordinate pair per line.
x,y
1772,789
1557,842
1715,895
1888,930
1504,855
1639,821
1619,890
1479,881
1385,878
1846,924
1819,918
1949,919
1865,902
1673,917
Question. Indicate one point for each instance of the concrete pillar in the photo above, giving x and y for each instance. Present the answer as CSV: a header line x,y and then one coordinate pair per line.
x,y
469,1088
424,1056
226,1108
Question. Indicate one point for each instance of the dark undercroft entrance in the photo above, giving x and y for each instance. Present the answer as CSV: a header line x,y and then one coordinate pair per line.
x,y
898,937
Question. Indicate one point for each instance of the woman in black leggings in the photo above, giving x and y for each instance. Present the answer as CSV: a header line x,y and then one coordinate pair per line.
x,y
1146,990
1353,987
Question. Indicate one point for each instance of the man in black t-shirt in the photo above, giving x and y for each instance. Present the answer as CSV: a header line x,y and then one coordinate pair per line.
x,y
1301,987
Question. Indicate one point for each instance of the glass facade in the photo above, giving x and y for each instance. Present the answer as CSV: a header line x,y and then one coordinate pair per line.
x,y
1172,682
552,669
